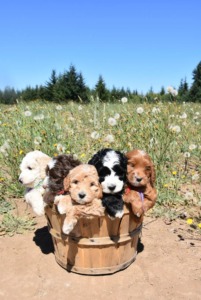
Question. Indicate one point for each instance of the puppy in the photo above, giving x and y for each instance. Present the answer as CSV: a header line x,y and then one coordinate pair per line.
x,y
83,199
56,170
32,175
140,191
111,166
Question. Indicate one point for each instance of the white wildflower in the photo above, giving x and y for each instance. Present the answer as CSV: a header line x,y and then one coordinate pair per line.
x,y
112,122
183,116
192,147
175,128
39,117
187,154
117,116
38,140
140,110
27,113
5,147
124,100
60,148
59,107
109,138
172,91
195,177
153,141
95,135
80,107
155,110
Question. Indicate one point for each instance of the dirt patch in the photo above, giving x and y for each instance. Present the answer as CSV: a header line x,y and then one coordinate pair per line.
x,y
168,266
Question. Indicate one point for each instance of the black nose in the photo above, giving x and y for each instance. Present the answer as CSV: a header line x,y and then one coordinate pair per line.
x,y
82,195
20,181
111,187
138,179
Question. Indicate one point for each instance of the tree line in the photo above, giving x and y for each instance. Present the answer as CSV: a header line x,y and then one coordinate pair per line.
x,y
70,86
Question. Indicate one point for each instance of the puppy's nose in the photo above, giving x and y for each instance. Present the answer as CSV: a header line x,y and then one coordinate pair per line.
x,y
111,187
20,180
81,195
139,179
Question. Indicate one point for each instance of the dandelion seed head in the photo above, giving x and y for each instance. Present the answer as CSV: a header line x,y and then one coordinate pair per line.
x,y
109,138
112,122
140,110
27,113
124,100
95,135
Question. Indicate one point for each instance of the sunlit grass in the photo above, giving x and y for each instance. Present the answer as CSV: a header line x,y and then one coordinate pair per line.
x,y
169,132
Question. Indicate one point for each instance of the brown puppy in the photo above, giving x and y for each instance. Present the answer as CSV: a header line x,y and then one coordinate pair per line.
x,y
83,199
140,191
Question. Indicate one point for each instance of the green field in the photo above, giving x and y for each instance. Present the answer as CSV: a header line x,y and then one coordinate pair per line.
x,y
169,132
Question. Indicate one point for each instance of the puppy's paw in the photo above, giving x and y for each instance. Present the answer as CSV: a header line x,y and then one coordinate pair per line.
x,y
119,214
61,204
67,228
39,211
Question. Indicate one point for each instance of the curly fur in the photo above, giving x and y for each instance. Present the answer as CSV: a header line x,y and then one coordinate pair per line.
x,y
56,170
140,191
32,175
111,166
84,196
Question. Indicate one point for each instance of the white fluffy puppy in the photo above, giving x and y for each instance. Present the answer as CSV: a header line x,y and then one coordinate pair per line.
x,y
32,175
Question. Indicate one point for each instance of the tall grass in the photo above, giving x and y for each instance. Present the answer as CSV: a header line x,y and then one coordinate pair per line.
x,y
169,132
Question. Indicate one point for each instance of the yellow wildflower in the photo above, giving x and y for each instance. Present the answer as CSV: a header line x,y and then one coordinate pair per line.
x,y
21,152
165,185
199,225
174,173
82,155
1,179
55,145
189,221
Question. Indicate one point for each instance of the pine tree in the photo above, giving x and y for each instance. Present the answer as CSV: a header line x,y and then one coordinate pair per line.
x,y
50,86
101,90
162,92
195,90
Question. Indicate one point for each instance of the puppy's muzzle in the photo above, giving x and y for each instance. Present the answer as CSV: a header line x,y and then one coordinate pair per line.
x,y
112,187
20,181
81,195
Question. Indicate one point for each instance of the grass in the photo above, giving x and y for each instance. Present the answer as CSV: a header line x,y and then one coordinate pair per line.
x,y
169,132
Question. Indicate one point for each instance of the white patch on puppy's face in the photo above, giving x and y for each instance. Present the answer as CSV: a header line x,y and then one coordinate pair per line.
x,y
30,172
50,166
110,181
52,163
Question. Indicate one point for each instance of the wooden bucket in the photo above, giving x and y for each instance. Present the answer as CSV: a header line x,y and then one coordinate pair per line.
x,y
95,246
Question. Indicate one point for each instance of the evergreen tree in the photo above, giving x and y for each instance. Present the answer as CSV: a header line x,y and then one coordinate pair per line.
x,y
50,86
9,95
162,92
70,86
100,89
195,90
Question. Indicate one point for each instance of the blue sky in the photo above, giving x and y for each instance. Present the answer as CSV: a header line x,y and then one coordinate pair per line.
x,y
135,44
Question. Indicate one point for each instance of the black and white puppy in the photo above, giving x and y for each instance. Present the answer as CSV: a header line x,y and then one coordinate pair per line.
x,y
57,169
111,166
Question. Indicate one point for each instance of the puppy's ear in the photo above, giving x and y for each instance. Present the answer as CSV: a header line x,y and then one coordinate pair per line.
x,y
43,161
100,191
66,183
153,175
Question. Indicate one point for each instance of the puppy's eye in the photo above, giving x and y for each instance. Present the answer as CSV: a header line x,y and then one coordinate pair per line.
x,y
131,165
148,168
29,168
75,181
92,184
